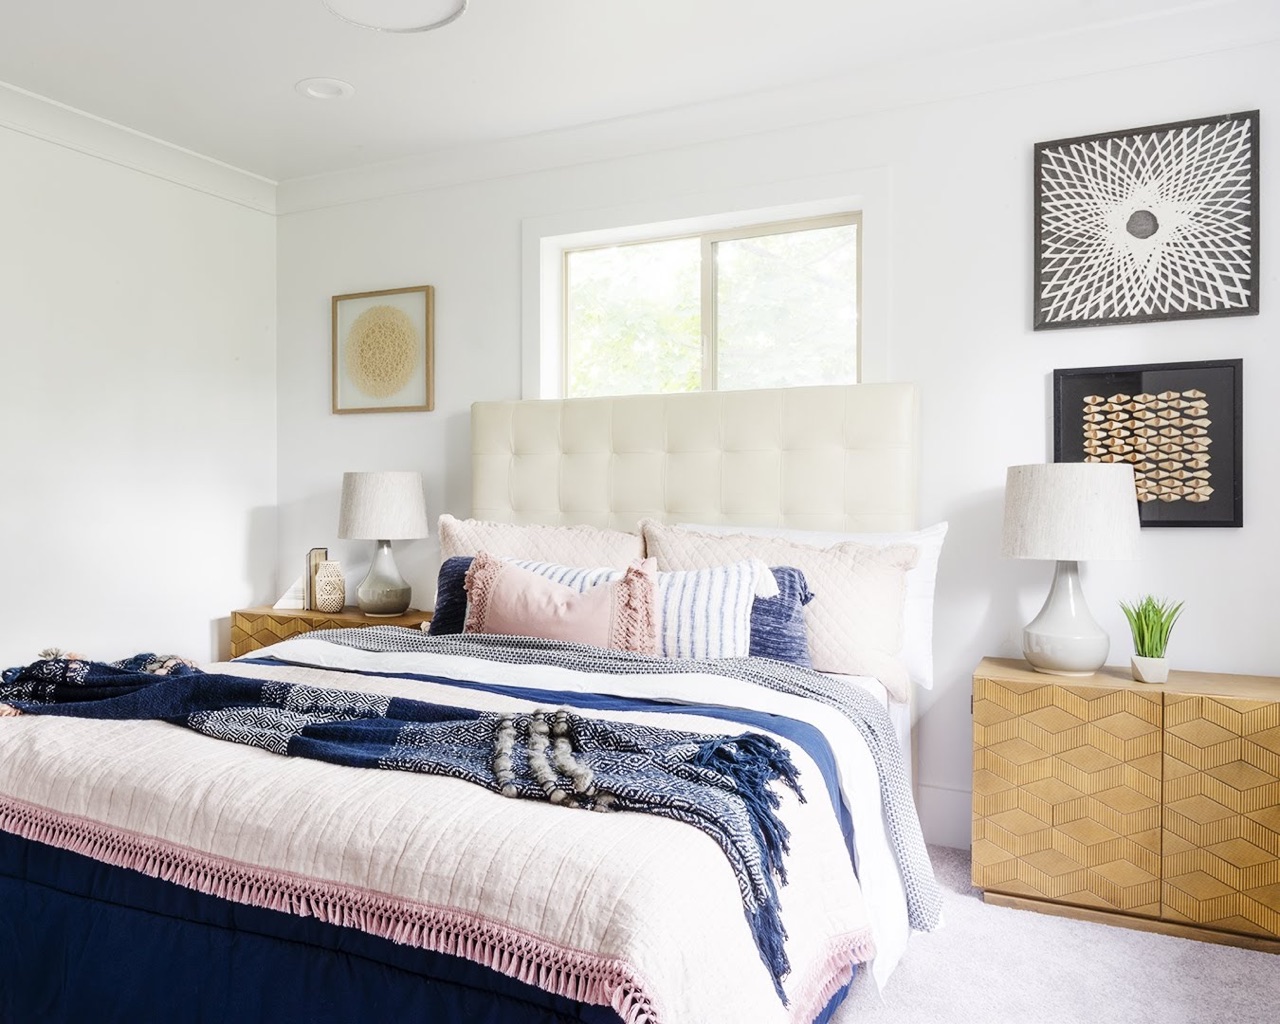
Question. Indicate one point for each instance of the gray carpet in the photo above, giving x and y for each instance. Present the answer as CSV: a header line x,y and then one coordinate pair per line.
x,y
993,965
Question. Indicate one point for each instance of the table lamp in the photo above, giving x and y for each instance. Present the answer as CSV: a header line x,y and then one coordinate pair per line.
x,y
383,507
1069,512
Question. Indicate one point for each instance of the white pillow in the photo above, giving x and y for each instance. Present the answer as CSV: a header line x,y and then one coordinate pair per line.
x,y
705,613
565,545
917,624
855,619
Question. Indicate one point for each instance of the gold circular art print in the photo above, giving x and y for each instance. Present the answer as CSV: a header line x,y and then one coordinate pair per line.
x,y
382,351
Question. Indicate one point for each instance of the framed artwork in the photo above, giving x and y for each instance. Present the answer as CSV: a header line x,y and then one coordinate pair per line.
x,y
384,351
1156,223
1178,424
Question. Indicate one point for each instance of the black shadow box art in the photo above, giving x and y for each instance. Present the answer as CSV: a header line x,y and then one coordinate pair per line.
x,y
1177,424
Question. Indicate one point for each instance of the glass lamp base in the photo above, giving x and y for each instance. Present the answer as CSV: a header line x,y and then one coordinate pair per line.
x,y
383,593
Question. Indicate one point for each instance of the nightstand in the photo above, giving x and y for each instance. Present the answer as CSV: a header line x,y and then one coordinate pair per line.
x,y
1152,806
253,628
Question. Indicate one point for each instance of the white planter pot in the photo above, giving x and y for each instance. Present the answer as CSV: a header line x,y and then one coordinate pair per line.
x,y
1149,670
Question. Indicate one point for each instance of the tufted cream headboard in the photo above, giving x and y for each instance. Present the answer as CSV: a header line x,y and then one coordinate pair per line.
x,y
821,458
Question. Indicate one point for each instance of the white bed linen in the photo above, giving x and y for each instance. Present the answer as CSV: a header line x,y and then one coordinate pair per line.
x,y
380,832
899,714
877,867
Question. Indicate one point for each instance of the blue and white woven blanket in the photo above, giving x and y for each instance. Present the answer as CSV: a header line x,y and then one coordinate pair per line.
x,y
923,894
720,785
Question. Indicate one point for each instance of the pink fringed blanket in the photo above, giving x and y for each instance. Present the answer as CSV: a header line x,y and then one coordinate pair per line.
x,y
617,910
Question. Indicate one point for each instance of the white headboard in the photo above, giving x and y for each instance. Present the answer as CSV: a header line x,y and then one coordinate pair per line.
x,y
840,458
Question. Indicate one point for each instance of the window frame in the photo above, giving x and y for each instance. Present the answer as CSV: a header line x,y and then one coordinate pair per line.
x,y
603,209
708,292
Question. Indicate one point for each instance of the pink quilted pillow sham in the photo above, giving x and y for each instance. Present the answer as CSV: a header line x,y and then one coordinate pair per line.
x,y
621,615
854,621
564,545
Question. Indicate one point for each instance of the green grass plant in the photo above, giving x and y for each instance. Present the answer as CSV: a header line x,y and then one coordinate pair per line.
x,y
1151,621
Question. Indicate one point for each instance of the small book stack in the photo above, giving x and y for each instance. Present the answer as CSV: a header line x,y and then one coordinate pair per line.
x,y
314,557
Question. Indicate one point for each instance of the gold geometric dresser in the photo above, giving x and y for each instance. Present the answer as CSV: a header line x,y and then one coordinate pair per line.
x,y
1152,806
255,628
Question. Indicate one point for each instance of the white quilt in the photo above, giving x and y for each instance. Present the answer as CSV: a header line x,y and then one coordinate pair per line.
x,y
622,895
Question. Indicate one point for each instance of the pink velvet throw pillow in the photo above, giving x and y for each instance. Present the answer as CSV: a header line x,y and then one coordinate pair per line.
x,y
621,615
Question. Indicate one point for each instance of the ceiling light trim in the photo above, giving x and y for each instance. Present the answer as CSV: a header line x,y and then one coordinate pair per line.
x,y
350,19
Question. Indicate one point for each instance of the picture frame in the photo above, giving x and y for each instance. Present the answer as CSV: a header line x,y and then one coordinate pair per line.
x,y
383,350
1179,424
1148,224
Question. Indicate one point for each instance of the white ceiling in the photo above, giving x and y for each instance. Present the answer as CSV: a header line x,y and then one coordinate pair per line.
x,y
217,77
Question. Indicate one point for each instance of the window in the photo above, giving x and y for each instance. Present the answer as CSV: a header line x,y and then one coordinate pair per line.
x,y
774,305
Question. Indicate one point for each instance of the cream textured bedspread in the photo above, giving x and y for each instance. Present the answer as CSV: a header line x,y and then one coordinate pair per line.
x,y
631,910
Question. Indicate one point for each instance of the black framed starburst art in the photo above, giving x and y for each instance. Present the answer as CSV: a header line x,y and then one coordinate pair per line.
x,y
1156,223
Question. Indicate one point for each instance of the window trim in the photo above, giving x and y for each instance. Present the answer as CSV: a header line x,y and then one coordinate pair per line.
x,y
544,238
708,293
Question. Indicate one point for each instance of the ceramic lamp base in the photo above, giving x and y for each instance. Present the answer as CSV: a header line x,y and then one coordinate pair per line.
x,y
383,593
1064,639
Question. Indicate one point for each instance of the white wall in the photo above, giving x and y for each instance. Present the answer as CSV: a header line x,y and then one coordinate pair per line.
x,y
137,406
958,252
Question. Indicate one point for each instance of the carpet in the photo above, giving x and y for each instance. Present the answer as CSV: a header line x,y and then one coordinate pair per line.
x,y
995,965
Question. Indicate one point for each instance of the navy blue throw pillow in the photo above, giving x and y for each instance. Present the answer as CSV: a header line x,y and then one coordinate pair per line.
x,y
777,623
451,597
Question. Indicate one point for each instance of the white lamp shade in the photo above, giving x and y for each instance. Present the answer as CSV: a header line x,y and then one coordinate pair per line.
x,y
382,506
1071,511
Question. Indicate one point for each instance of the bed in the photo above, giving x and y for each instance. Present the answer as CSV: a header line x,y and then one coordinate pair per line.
x,y
153,873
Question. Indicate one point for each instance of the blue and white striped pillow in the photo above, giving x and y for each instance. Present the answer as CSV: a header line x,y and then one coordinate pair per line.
x,y
703,613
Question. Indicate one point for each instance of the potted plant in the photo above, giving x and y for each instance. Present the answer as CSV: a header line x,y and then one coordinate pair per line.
x,y
1150,621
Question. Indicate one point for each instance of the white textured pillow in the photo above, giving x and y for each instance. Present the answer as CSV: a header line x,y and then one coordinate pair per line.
x,y
917,621
855,618
704,613
566,545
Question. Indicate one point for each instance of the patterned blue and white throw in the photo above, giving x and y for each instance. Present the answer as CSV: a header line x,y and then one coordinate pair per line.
x,y
720,785
923,894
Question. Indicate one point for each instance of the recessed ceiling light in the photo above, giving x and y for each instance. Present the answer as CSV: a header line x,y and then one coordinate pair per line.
x,y
398,15
325,88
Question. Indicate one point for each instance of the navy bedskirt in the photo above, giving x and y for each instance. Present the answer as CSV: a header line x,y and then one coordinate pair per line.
x,y
86,943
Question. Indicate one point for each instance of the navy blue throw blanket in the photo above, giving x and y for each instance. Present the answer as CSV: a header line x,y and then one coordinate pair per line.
x,y
719,784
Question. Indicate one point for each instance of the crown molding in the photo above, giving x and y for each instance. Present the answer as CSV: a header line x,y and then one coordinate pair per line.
x,y
40,118
1195,30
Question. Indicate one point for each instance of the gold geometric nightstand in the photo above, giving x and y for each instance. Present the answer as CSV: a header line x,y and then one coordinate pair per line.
x,y
1153,806
254,628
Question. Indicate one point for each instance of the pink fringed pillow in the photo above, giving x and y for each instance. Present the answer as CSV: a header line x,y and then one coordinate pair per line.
x,y
621,615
